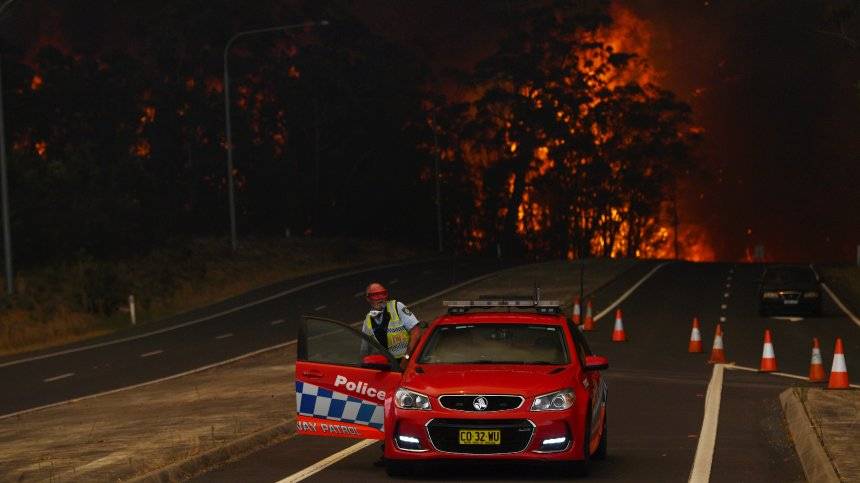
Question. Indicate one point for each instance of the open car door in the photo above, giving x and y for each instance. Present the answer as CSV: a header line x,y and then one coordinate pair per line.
x,y
342,380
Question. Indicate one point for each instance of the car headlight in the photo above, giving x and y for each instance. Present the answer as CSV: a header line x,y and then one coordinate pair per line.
x,y
406,399
770,295
810,295
554,401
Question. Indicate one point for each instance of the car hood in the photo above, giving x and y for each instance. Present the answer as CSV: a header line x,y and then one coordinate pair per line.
x,y
438,379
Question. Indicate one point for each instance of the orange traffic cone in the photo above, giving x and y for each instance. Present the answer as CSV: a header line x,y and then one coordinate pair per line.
x,y
717,352
839,371
618,332
576,312
695,338
768,358
816,366
589,320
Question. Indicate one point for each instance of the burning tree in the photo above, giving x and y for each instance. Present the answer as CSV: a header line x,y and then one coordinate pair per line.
x,y
570,149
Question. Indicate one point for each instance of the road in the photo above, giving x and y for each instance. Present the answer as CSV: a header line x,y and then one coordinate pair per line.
x,y
656,391
255,320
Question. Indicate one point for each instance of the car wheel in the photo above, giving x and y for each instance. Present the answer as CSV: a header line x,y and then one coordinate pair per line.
x,y
600,452
397,468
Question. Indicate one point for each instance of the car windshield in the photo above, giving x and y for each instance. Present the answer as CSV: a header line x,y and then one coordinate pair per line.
x,y
788,275
495,344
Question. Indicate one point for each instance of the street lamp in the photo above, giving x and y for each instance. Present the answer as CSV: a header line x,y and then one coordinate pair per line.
x,y
229,130
4,188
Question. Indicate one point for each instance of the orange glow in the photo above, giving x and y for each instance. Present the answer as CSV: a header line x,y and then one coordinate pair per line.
x,y
148,115
41,148
142,148
190,83
36,83
293,72
214,85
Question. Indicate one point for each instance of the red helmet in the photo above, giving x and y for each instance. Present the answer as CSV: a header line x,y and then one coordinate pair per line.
x,y
375,292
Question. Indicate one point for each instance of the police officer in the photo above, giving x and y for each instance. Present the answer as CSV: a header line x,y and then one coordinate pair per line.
x,y
390,322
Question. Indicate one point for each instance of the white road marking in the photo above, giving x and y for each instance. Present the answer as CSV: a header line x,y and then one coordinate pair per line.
x,y
277,322
790,319
358,294
780,374
148,383
722,319
321,307
629,291
212,316
224,336
393,281
325,463
726,295
701,472
234,359
57,378
724,306
150,354
728,285
841,305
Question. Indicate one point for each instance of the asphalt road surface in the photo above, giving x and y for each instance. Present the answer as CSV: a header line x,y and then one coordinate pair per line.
x,y
255,320
657,391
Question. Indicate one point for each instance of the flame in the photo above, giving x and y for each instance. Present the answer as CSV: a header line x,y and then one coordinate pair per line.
x,y
36,82
41,148
141,149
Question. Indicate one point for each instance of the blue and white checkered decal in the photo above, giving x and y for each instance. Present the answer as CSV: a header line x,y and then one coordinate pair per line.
x,y
320,402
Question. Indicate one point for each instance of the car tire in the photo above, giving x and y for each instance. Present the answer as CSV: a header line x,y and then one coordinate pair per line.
x,y
600,452
395,468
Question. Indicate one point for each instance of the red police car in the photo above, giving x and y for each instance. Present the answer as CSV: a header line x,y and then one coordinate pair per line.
x,y
490,380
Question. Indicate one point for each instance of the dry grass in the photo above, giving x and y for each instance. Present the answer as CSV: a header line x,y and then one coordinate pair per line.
x,y
58,305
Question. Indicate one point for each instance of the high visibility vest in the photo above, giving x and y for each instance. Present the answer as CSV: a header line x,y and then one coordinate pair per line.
x,y
397,336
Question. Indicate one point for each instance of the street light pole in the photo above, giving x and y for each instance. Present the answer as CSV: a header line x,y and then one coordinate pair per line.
x,y
231,197
4,187
438,189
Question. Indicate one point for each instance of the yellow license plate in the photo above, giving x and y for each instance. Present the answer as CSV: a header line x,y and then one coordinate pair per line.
x,y
480,436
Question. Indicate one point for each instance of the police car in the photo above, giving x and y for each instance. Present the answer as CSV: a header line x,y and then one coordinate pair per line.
x,y
490,380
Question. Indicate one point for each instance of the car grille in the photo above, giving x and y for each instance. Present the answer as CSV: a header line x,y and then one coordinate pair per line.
x,y
515,435
790,295
494,403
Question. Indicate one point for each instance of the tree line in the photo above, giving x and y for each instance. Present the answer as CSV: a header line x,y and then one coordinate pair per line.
x,y
556,149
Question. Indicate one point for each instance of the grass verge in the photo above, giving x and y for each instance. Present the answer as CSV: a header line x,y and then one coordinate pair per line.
x,y
87,297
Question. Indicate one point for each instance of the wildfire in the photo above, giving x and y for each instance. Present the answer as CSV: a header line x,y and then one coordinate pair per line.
x,y
36,82
41,148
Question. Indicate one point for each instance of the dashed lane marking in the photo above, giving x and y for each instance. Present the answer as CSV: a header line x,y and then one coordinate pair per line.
x,y
726,295
722,319
358,294
393,282
277,322
789,319
57,378
724,306
701,472
213,316
321,307
728,285
325,463
150,354
234,359
224,336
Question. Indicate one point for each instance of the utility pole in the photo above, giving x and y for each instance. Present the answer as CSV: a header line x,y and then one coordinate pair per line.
x,y
4,187
231,197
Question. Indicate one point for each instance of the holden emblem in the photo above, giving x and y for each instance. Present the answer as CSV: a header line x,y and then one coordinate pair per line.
x,y
480,403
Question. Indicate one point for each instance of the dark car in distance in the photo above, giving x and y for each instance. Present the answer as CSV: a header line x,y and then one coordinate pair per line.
x,y
789,289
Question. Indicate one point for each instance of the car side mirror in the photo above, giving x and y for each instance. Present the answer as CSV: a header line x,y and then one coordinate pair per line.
x,y
596,363
376,361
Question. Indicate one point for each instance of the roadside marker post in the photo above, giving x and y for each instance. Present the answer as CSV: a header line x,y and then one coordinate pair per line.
x,y
131,310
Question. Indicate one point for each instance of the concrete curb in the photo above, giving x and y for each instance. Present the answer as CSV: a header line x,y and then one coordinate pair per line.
x,y
189,467
816,464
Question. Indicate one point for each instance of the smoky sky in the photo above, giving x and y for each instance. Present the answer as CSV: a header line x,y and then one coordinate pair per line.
x,y
777,95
